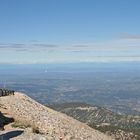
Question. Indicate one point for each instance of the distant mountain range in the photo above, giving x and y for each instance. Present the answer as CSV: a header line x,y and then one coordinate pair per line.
x,y
122,127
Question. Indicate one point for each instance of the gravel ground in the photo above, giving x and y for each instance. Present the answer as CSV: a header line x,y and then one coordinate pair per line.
x,y
50,124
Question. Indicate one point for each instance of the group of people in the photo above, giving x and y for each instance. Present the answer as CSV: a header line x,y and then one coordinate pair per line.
x,y
6,92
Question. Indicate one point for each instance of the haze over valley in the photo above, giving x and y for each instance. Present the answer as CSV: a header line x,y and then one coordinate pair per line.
x,y
111,85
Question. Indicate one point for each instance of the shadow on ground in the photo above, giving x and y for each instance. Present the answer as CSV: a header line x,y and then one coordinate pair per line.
x,y
11,134
4,121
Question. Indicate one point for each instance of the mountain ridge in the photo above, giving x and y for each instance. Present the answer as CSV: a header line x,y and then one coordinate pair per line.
x,y
122,127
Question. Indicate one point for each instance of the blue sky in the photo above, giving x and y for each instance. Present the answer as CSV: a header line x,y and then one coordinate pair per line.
x,y
62,31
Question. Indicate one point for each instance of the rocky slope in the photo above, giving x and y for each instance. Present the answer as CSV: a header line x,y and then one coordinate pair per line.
x,y
49,124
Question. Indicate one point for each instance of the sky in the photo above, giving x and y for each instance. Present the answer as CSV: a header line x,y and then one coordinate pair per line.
x,y
69,31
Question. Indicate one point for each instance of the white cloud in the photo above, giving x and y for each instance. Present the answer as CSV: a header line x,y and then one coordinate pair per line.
x,y
115,50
